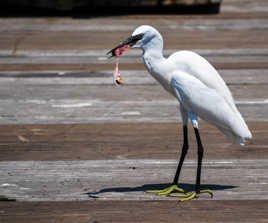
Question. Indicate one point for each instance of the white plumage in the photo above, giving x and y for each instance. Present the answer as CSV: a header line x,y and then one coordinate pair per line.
x,y
195,83
201,93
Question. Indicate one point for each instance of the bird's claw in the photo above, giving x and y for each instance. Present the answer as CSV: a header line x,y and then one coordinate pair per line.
x,y
191,195
185,196
207,192
167,191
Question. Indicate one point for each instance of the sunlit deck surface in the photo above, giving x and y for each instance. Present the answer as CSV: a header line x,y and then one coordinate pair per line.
x,y
75,148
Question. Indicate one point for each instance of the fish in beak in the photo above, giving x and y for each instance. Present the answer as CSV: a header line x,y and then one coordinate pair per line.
x,y
118,50
118,80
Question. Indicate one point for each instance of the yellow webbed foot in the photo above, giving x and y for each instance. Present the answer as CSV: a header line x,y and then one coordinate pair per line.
x,y
191,195
167,190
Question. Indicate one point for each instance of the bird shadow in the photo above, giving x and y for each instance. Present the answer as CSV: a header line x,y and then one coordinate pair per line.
x,y
145,187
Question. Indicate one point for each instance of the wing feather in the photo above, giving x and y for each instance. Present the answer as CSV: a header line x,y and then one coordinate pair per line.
x,y
200,69
210,106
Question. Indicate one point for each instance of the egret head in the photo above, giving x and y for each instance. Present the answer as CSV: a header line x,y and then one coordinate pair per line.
x,y
148,35
143,37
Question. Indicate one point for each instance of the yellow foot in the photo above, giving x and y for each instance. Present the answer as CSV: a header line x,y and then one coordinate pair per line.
x,y
167,190
191,195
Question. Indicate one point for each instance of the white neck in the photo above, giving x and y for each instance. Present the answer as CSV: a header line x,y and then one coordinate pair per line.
x,y
154,61
153,52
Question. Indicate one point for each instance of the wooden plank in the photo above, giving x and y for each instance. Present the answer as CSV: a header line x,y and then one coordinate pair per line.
x,y
122,141
126,66
241,25
35,111
98,86
99,54
129,24
247,211
130,77
129,179
196,39
214,59
68,100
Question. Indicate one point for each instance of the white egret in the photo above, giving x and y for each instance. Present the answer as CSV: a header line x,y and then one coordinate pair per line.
x,y
200,91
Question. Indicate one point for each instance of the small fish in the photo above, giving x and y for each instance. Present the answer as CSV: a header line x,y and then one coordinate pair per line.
x,y
118,80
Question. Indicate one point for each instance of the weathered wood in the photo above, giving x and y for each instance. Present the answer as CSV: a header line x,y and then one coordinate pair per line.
x,y
140,66
236,77
90,60
122,141
89,96
235,39
196,39
128,179
129,24
247,211
34,111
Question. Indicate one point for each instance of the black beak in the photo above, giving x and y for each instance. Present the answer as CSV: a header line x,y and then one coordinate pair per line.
x,y
130,41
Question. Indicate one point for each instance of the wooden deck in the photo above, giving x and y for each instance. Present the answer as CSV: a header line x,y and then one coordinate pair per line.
x,y
75,148
135,211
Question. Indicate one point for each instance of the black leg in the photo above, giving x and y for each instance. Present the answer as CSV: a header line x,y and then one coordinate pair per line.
x,y
183,154
200,157
174,186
